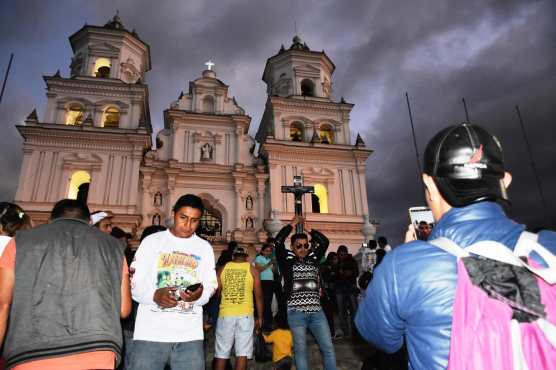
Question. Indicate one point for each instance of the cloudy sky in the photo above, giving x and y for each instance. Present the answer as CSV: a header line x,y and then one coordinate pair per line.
x,y
496,54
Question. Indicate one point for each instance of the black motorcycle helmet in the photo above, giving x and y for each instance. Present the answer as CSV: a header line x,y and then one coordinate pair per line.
x,y
467,165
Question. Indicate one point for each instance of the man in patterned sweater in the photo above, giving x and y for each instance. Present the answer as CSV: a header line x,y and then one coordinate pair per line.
x,y
300,268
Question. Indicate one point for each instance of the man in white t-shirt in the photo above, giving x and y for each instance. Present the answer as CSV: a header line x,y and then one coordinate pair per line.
x,y
174,277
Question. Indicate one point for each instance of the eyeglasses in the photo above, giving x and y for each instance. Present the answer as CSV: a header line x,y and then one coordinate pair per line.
x,y
299,246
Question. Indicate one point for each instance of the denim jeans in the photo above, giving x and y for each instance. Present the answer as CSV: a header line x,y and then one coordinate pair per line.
x,y
346,300
155,355
318,325
128,350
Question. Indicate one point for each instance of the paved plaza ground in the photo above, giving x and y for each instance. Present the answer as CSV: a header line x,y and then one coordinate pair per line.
x,y
350,354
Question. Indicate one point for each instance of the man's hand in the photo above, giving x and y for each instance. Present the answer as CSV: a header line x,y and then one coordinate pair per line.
x,y
410,234
298,220
258,325
188,296
165,298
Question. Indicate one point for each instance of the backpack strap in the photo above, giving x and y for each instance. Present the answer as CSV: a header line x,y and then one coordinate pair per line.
x,y
527,243
450,247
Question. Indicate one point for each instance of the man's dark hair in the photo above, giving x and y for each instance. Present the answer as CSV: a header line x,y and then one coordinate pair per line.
x,y
232,245
70,208
151,230
382,241
189,200
330,256
372,244
298,236
342,248
265,246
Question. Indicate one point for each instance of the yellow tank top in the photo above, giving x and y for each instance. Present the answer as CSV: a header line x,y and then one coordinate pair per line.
x,y
237,289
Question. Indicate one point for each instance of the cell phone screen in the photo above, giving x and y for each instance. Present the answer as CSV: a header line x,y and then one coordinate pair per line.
x,y
423,221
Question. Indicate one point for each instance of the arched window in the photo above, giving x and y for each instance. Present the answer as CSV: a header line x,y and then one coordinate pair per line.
x,y
322,198
75,115
77,188
102,68
326,134
211,223
155,219
208,104
307,88
296,131
111,117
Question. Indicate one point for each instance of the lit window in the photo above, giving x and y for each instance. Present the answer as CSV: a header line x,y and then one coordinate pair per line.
x,y
102,68
79,185
111,117
75,115
296,131
326,135
322,199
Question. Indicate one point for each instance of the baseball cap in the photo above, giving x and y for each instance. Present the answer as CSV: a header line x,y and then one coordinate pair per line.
x,y
98,216
467,165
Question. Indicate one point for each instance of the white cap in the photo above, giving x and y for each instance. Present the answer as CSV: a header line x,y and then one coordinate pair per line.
x,y
99,216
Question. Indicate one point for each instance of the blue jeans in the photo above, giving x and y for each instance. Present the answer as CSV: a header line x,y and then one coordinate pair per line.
x,y
155,355
128,349
316,322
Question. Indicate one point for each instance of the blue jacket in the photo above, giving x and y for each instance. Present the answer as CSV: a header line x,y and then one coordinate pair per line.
x,y
413,289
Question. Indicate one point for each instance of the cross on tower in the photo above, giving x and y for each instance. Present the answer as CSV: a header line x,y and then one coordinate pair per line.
x,y
209,65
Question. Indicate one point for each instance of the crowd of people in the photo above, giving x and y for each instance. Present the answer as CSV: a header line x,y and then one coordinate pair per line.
x,y
74,294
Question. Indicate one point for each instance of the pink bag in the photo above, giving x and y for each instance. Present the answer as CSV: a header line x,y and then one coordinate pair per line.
x,y
485,336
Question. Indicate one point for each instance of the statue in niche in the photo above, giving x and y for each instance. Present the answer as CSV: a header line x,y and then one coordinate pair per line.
x,y
326,87
206,152
156,219
249,223
157,201
249,202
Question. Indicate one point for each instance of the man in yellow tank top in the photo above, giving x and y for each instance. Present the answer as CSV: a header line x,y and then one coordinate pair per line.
x,y
237,281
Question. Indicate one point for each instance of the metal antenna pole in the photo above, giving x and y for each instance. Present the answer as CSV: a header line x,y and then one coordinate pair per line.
x,y
533,166
466,112
6,77
415,142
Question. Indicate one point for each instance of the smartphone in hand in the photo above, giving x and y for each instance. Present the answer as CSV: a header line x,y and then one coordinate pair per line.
x,y
193,287
422,220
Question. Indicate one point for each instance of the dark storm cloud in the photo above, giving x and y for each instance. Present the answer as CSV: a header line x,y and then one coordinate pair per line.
x,y
496,54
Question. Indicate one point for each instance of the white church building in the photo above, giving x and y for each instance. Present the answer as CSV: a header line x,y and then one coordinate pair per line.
x,y
94,143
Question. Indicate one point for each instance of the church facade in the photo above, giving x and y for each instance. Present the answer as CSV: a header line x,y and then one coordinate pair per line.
x,y
94,143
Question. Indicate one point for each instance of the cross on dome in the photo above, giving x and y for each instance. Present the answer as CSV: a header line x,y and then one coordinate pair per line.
x,y
209,65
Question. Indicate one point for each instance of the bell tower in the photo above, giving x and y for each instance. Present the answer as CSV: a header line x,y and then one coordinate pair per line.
x,y
304,132
90,142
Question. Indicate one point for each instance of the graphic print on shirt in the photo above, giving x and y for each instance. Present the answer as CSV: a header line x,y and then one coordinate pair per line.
x,y
234,287
305,295
179,270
